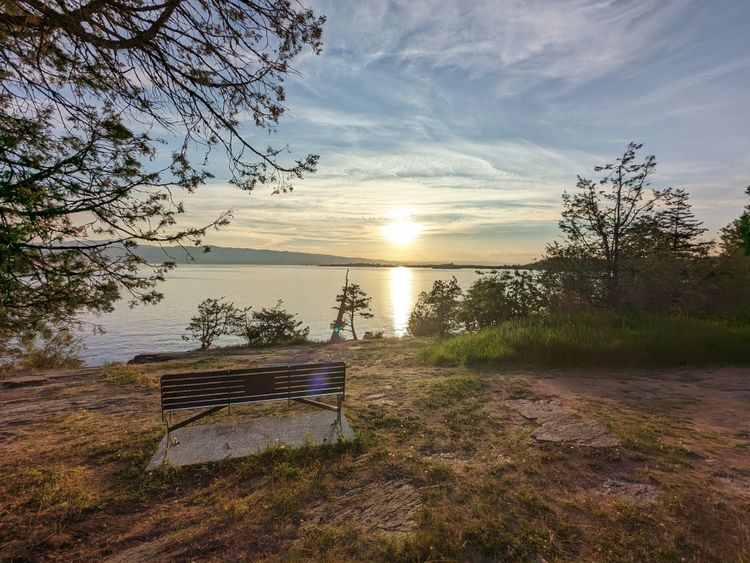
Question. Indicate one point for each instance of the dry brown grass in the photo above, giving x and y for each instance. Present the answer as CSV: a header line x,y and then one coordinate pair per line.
x,y
127,375
73,473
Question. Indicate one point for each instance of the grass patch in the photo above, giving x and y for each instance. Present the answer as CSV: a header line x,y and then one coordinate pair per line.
x,y
123,374
466,421
63,493
437,472
377,417
611,340
450,391
647,436
630,533
517,389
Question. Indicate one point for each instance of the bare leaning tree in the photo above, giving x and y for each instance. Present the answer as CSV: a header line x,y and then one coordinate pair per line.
x,y
87,87
352,302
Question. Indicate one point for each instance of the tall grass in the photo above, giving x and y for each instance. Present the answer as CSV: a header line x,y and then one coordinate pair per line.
x,y
580,340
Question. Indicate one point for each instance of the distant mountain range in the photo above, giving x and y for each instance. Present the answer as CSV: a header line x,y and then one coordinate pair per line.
x,y
225,255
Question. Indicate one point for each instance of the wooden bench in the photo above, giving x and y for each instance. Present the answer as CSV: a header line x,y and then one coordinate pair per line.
x,y
214,390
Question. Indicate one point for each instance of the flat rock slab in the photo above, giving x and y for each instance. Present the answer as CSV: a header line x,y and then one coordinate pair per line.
x,y
163,548
29,378
627,490
15,381
541,410
215,442
390,507
562,426
591,434
742,487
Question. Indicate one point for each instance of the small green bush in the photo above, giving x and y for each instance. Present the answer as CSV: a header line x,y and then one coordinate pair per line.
x,y
215,318
436,312
499,296
55,347
273,326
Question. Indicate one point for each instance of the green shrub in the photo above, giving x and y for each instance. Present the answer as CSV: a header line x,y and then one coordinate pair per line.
x,y
499,296
436,312
272,326
215,318
55,347
579,340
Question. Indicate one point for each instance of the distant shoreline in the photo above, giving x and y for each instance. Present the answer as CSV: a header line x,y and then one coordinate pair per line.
x,y
435,266
226,256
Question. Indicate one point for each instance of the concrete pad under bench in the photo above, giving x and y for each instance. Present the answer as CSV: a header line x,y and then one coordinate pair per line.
x,y
214,442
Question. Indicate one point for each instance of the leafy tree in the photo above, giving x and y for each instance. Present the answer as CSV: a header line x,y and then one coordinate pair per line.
x,y
627,245
728,289
678,227
735,237
499,296
669,273
83,88
357,303
214,319
436,312
270,326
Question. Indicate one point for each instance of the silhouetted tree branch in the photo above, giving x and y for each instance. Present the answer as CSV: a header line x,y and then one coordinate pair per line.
x,y
83,86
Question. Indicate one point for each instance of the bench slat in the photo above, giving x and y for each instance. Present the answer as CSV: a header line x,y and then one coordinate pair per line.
x,y
241,400
188,378
291,369
183,391
225,392
200,386
326,389
243,385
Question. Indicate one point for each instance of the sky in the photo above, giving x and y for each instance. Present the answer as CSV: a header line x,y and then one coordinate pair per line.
x,y
462,122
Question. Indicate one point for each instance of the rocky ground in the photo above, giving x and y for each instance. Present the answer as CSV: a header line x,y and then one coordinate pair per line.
x,y
449,464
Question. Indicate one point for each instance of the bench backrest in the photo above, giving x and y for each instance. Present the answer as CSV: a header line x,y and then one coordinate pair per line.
x,y
182,391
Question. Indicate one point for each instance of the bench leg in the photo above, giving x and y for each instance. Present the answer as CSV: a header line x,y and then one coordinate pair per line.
x,y
169,428
198,416
169,438
339,401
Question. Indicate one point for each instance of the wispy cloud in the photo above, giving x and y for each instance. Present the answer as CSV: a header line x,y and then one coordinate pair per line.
x,y
474,116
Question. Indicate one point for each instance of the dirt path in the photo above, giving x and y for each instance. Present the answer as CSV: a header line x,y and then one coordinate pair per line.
x,y
716,400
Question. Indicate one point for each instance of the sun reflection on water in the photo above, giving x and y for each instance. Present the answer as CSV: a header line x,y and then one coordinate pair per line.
x,y
400,299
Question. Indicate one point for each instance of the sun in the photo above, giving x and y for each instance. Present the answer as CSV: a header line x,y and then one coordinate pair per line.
x,y
401,231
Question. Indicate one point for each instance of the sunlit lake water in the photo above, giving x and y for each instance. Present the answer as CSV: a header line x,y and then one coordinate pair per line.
x,y
306,290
